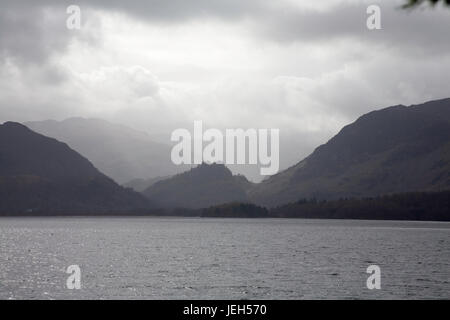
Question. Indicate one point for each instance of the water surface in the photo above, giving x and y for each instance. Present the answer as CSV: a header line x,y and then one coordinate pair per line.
x,y
193,258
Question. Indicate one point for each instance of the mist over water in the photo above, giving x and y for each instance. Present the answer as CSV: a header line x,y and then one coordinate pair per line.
x,y
175,258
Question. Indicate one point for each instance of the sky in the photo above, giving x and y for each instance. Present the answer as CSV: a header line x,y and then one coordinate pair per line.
x,y
307,68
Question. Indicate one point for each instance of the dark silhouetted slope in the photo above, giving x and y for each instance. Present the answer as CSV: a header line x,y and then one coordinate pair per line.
x,y
203,186
393,150
42,175
119,152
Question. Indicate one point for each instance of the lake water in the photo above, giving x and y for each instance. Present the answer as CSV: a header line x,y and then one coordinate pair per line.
x,y
190,258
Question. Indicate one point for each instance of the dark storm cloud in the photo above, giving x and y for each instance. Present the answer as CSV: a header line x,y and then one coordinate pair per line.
x,y
35,30
176,11
30,33
282,21
424,30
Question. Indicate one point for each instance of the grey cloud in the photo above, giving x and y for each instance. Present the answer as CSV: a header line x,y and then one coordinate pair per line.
x,y
34,31
283,21
418,32
169,11
27,35
176,11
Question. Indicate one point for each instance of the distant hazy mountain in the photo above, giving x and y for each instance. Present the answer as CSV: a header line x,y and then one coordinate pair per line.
x,y
203,186
140,185
44,176
393,150
121,153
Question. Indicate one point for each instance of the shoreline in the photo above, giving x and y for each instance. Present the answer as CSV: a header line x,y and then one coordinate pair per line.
x,y
124,216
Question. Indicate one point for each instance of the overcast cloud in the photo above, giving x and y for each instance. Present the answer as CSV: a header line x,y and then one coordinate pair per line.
x,y
306,67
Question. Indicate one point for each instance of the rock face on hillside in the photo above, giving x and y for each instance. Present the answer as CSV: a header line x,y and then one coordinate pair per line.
x,y
42,175
393,150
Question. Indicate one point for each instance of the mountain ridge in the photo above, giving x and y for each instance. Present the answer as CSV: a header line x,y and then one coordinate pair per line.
x,y
42,175
377,154
202,186
118,151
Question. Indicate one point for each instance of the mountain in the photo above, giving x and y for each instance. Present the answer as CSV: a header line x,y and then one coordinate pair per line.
x,y
140,185
44,176
203,186
121,153
393,150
